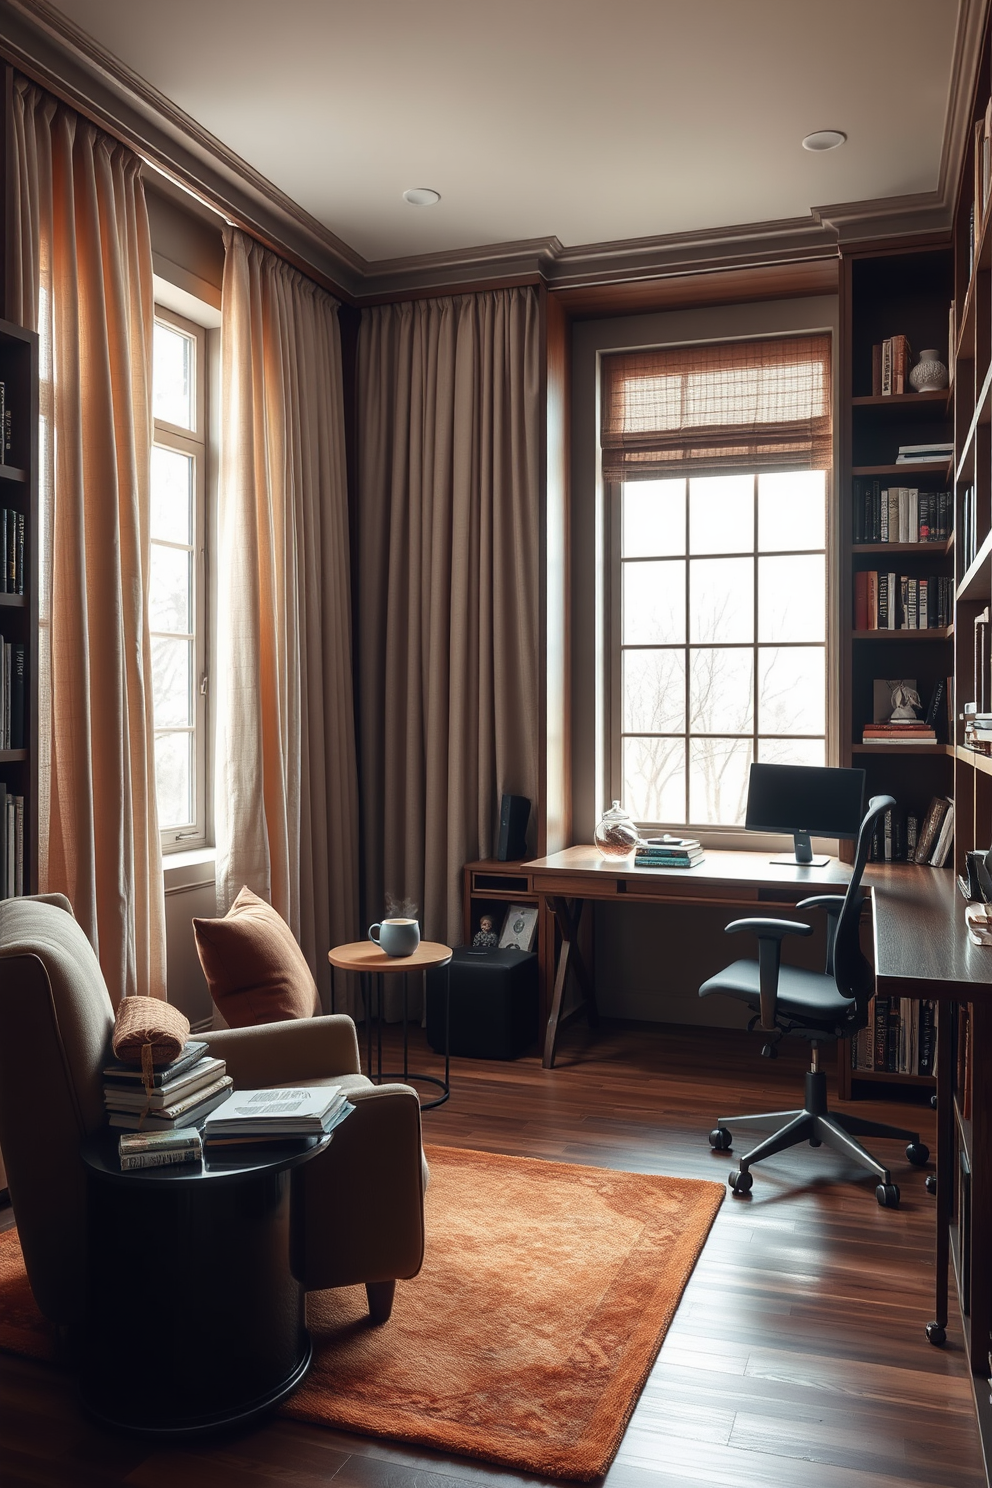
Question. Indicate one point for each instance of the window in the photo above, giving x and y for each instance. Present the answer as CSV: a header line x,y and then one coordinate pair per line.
x,y
721,639
716,464
176,594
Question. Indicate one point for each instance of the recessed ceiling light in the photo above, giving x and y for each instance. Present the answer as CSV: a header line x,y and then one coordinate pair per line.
x,y
824,139
421,196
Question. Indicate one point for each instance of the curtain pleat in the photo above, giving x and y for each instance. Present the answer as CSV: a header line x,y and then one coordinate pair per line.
x,y
82,276
285,779
449,403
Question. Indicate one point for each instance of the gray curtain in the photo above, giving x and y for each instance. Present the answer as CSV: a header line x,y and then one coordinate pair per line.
x,y
448,408
285,781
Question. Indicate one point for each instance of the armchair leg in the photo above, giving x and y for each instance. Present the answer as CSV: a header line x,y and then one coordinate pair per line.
x,y
380,1295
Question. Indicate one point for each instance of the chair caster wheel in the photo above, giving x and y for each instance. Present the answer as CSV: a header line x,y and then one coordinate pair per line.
x,y
918,1153
887,1195
936,1334
720,1139
930,1183
740,1183
815,1142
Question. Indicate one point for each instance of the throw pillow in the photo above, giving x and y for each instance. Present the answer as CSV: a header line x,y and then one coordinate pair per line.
x,y
254,968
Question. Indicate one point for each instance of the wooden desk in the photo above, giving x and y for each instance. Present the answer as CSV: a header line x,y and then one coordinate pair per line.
x,y
922,949
566,880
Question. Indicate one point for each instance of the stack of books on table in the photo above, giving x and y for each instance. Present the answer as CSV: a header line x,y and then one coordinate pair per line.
x,y
160,1149
180,1094
260,1117
667,852
899,731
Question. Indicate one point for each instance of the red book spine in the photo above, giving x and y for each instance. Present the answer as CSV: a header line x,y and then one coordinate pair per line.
x,y
861,601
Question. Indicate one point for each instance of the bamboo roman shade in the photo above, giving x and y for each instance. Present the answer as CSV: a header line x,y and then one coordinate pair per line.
x,y
756,405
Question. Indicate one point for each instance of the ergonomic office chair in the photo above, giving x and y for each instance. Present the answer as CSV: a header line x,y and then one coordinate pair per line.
x,y
820,1007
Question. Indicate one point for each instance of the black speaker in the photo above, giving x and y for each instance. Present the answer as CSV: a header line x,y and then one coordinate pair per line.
x,y
514,813
493,1003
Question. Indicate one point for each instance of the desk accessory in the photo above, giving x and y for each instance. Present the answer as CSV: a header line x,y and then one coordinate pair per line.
x,y
397,937
615,834
514,813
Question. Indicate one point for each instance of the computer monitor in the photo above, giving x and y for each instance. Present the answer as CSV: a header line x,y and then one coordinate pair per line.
x,y
806,801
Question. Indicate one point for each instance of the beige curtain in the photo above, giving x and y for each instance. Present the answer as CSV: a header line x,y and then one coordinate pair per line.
x,y
449,407
285,782
82,276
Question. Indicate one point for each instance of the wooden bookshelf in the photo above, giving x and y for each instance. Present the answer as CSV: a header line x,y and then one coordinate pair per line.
x,y
19,612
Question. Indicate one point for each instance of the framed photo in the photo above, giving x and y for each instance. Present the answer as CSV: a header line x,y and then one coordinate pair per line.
x,y
519,927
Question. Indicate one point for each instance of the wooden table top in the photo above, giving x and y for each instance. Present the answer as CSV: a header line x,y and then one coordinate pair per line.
x,y
922,947
741,869
365,955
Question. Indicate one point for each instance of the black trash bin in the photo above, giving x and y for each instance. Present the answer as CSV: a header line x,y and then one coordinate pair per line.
x,y
493,1003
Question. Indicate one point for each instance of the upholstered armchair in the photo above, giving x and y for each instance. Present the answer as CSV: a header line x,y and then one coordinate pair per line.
x,y
363,1219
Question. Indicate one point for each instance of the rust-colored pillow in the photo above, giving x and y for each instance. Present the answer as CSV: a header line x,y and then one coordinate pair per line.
x,y
254,968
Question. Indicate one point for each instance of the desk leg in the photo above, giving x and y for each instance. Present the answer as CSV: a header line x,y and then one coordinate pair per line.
x,y
937,1331
568,914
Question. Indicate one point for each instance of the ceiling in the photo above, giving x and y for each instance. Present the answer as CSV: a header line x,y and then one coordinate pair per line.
x,y
579,119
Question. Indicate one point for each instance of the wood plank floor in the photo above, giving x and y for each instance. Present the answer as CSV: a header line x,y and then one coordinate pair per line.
x,y
796,1358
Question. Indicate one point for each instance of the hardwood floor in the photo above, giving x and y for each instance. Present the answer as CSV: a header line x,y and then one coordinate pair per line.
x,y
796,1358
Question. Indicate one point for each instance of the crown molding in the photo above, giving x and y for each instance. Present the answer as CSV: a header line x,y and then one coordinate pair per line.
x,y
45,45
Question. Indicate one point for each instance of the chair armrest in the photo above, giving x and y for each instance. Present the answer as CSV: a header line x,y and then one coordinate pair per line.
x,y
279,1053
833,904
771,934
770,929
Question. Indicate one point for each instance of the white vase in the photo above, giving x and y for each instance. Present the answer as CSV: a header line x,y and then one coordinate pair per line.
x,y
929,375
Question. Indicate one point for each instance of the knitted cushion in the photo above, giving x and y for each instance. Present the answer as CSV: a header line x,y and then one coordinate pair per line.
x,y
254,968
144,1021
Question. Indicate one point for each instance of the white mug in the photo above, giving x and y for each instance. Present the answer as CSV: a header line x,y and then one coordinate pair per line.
x,y
396,937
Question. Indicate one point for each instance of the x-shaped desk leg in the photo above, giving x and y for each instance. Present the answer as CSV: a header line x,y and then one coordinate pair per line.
x,y
568,914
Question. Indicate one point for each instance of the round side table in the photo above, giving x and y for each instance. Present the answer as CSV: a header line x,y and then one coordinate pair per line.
x,y
194,1308
365,957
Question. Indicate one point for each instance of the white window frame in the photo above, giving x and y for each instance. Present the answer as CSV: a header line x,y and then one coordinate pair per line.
x,y
194,442
709,832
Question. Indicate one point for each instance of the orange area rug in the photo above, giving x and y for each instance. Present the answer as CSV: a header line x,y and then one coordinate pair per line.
x,y
544,1298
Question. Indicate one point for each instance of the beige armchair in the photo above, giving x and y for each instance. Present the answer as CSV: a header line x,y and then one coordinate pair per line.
x,y
363,1218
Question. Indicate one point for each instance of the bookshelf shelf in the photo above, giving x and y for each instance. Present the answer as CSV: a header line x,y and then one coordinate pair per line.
x,y
935,633
14,601
971,758
14,473
900,749
914,550
921,467
13,756
975,583
900,403
891,1077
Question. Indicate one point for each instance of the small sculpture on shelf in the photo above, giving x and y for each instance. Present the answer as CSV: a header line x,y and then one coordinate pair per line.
x,y
929,375
485,938
905,700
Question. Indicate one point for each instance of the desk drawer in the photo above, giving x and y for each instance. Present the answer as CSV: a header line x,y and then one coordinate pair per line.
x,y
685,891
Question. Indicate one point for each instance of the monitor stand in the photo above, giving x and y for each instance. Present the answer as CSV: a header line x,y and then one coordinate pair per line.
x,y
803,855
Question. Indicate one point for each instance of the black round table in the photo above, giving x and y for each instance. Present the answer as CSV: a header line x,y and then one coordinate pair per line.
x,y
194,1308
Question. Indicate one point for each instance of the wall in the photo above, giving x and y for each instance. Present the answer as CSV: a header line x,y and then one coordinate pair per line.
x,y
649,963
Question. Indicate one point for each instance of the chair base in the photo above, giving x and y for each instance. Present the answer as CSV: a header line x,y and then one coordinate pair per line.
x,y
818,1126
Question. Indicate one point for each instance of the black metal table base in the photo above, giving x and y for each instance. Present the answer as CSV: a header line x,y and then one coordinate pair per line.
x,y
407,1075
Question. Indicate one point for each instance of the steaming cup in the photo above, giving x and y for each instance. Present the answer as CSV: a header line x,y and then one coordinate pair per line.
x,y
396,937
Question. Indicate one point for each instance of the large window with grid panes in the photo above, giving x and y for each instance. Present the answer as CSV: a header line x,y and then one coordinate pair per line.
x,y
717,597
177,586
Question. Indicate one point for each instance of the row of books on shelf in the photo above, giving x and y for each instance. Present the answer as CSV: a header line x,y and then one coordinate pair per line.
x,y
900,513
900,1039
934,452
11,844
977,729
900,837
11,551
13,662
890,601
891,360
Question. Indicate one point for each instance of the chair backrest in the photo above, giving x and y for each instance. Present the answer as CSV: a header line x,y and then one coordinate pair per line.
x,y
852,970
56,1021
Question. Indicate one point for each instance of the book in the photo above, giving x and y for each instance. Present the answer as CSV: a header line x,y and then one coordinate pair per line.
x,y
876,369
165,1159
291,1111
902,356
193,1051
942,847
184,1113
886,380
158,1149
215,1140
930,829
129,1097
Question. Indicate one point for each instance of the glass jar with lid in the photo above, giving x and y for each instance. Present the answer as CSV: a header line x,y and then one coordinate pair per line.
x,y
615,835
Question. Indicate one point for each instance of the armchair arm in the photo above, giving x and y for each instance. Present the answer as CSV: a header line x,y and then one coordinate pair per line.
x,y
279,1053
771,934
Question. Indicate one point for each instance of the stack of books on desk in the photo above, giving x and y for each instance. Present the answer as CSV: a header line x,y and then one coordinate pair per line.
x,y
254,1117
159,1149
667,852
180,1093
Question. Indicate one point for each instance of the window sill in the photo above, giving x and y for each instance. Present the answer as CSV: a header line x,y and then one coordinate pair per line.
x,y
187,870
